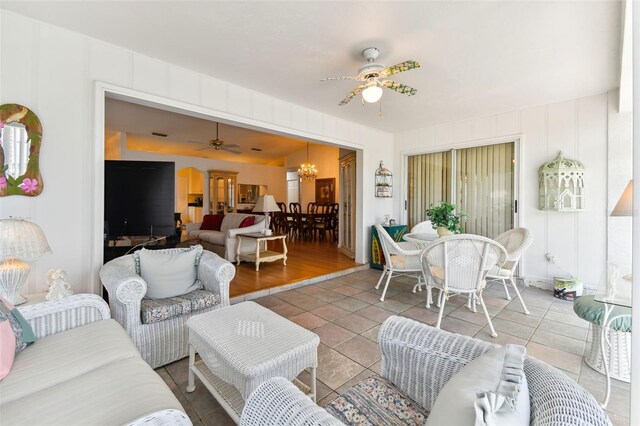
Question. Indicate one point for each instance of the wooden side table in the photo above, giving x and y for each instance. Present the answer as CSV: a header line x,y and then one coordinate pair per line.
x,y
260,255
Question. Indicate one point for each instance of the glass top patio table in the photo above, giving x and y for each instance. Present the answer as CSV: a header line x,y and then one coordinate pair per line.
x,y
422,238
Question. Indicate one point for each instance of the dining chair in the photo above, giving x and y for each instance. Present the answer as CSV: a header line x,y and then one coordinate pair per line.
x,y
516,242
399,260
458,265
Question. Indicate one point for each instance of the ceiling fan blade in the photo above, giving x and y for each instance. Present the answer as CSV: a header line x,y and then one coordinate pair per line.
x,y
401,67
203,149
337,78
399,87
231,150
231,145
352,94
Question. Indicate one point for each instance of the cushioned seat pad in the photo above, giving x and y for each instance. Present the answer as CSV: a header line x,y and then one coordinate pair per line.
x,y
116,394
590,310
60,357
376,401
156,310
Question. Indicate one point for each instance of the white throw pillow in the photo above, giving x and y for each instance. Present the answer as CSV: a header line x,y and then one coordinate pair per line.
x,y
169,273
491,390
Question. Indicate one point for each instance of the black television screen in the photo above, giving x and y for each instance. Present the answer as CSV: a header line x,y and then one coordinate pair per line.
x,y
139,198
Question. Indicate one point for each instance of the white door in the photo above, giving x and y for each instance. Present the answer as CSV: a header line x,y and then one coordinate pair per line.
x,y
293,191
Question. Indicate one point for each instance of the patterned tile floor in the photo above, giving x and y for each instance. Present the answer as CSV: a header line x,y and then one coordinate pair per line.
x,y
346,313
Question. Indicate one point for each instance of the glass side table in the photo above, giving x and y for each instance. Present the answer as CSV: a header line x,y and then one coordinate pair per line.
x,y
616,291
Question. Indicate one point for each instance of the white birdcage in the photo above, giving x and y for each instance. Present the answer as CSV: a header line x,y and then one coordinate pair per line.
x,y
384,182
561,185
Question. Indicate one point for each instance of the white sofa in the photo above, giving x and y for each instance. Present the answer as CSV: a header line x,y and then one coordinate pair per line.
x,y
83,369
224,242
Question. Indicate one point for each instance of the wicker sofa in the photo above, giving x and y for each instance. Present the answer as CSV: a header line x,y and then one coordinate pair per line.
x,y
83,369
417,362
224,242
163,341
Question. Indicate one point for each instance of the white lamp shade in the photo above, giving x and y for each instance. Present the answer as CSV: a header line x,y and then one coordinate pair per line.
x,y
624,207
266,203
21,239
372,94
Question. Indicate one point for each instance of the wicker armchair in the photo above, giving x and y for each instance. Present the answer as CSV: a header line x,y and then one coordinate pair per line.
x,y
458,264
401,259
515,241
419,360
165,341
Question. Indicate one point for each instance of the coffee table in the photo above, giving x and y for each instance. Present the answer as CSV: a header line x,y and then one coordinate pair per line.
x,y
241,346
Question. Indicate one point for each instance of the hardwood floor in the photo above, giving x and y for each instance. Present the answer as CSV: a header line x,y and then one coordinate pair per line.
x,y
305,260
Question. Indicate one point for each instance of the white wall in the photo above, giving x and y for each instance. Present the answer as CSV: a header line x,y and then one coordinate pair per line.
x,y
579,129
326,160
54,71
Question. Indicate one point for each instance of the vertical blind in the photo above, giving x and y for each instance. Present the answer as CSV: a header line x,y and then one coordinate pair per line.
x,y
429,183
483,179
485,188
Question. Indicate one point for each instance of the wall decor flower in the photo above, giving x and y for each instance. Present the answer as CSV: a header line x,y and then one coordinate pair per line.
x,y
20,141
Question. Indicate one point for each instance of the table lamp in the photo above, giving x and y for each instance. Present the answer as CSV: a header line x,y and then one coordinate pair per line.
x,y
20,241
266,204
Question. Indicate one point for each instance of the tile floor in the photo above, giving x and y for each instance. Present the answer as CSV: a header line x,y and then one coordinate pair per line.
x,y
346,313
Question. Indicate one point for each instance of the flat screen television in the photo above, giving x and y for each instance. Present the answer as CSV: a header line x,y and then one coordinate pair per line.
x,y
139,198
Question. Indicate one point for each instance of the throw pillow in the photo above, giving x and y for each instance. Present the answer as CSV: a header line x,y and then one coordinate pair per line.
x,y
211,222
491,390
171,272
8,345
22,331
247,221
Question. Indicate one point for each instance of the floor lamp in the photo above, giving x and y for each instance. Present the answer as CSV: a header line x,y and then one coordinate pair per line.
x,y
20,241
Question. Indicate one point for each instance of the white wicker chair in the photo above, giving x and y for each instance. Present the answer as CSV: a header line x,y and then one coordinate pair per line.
x,y
515,241
419,360
459,264
424,227
401,259
165,341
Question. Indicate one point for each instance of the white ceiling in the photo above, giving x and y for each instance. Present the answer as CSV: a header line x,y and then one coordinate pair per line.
x,y
189,136
477,58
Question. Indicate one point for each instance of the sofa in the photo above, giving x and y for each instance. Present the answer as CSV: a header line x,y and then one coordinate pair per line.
x,y
83,369
418,362
224,241
158,326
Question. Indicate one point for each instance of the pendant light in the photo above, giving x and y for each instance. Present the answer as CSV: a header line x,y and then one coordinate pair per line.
x,y
307,171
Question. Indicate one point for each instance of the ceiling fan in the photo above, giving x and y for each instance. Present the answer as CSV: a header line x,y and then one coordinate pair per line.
x,y
219,145
371,74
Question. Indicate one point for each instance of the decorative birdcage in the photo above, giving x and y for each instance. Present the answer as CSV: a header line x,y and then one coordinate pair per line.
x,y
561,185
384,182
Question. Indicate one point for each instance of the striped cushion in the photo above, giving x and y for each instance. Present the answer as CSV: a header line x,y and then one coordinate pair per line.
x,y
375,401
156,310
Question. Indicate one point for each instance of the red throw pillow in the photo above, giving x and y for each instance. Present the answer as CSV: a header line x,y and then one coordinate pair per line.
x,y
211,222
248,221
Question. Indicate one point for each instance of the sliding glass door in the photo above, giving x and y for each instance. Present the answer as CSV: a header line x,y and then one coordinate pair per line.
x,y
479,180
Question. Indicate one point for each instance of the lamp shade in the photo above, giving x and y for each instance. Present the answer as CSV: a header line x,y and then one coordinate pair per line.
x,y
21,239
624,207
266,203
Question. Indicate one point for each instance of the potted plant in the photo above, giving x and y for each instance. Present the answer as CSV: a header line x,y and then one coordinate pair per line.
x,y
444,218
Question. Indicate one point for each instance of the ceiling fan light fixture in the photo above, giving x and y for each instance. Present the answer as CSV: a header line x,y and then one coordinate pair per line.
x,y
372,94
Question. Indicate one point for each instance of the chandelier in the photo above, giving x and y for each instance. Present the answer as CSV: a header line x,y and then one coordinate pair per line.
x,y
307,171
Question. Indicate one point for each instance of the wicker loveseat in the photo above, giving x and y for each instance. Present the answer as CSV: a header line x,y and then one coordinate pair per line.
x,y
164,341
83,370
417,362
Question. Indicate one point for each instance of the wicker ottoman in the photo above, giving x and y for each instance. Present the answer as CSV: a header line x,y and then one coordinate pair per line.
x,y
618,336
244,345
